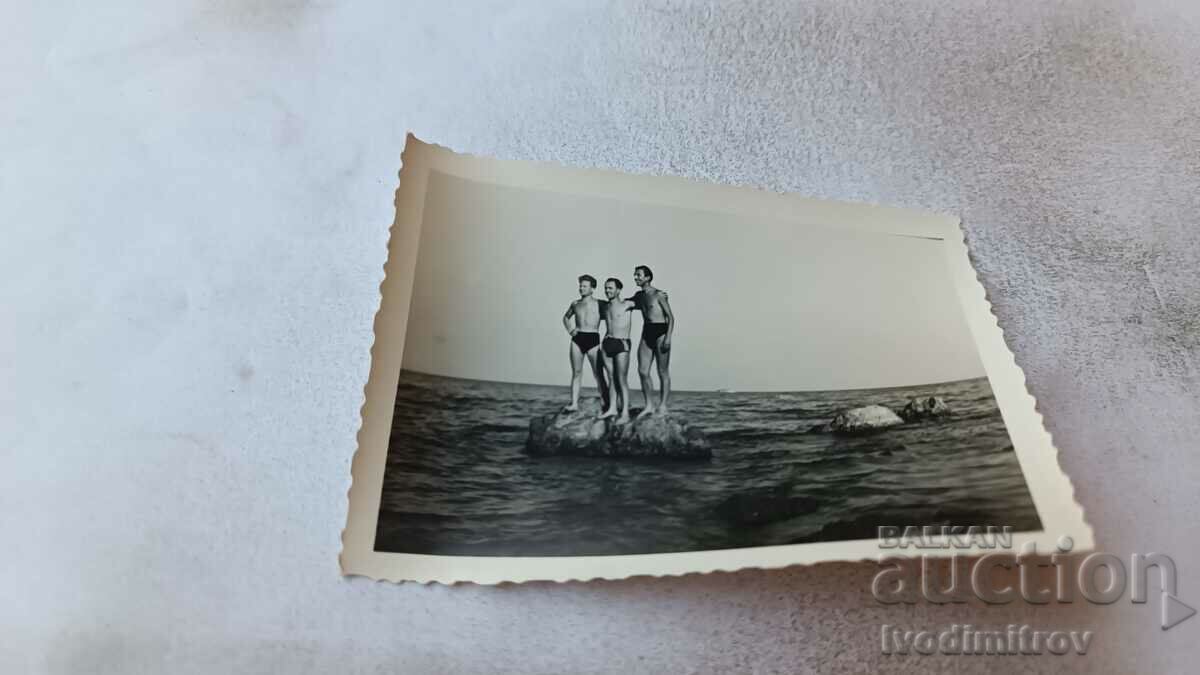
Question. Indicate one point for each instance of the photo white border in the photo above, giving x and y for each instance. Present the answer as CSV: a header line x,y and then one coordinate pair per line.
x,y
1053,495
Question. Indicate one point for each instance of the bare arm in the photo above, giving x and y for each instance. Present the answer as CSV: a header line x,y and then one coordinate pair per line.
x,y
665,303
567,323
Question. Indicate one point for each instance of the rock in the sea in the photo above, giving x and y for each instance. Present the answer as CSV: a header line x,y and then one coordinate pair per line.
x,y
924,408
864,420
763,508
581,434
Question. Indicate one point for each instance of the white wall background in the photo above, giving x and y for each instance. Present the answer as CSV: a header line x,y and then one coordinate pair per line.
x,y
194,202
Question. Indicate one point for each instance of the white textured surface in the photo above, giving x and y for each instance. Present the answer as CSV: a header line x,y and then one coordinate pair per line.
x,y
194,205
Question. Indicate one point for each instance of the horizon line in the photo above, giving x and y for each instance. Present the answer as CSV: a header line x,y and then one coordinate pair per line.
x,y
707,391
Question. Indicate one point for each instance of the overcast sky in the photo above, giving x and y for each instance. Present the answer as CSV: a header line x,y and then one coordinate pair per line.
x,y
760,305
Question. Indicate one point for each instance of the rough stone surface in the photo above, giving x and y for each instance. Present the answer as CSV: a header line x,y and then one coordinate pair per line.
x,y
923,408
580,434
862,420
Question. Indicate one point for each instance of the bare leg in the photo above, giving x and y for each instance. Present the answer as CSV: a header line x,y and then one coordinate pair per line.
x,y
576,377
664,377
645,358
595,360
611,409
621,380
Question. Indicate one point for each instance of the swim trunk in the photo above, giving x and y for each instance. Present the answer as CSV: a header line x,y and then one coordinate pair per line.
x,y
651,332
613,346
586,341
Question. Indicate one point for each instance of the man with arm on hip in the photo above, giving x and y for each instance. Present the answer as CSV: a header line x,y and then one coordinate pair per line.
x,y
582,321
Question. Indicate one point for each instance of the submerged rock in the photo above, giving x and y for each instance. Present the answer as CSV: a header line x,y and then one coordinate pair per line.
x,y
924,408
763,508
863,420
579,433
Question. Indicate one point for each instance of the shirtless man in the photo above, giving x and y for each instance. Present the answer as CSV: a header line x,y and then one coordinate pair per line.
x,y
582,322
618,320
658,324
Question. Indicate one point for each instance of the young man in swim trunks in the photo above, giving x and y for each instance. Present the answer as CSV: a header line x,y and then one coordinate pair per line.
x,y
658,325
618,320
582,322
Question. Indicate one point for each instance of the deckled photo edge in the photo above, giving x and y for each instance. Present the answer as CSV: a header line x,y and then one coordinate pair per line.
x,y
1050,488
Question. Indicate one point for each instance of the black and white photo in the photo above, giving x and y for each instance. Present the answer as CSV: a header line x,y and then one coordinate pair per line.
x,y
806,372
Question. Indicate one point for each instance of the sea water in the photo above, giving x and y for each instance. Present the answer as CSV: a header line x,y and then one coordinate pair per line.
x,y
458,481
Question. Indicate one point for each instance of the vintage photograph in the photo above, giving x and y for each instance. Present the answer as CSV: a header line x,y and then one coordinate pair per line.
x,y
591,373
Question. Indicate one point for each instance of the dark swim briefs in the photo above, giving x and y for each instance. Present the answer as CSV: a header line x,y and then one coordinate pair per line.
x,y
613,346
586,341
651,332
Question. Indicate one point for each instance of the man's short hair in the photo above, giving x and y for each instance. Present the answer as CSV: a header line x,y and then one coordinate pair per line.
x,y
588,278
616,282
645,272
